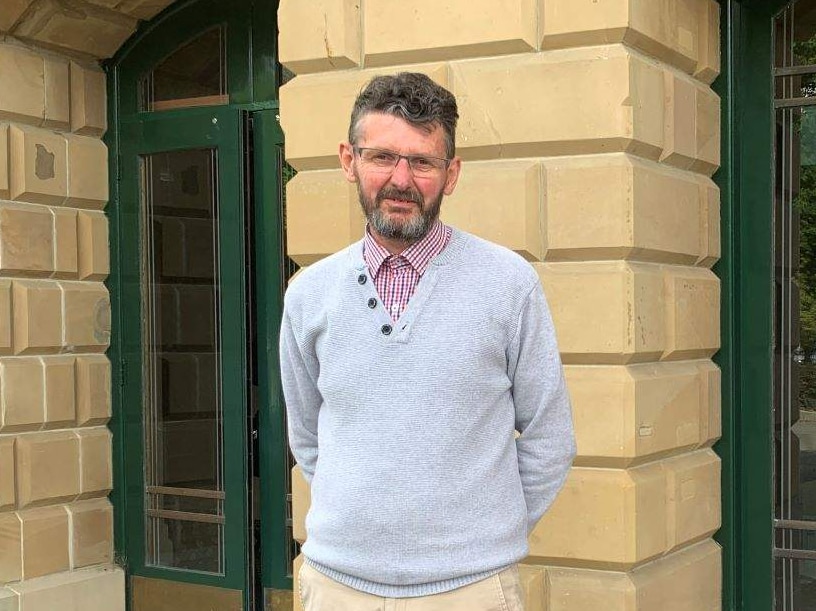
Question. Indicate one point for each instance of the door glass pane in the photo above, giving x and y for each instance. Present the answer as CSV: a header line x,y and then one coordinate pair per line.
x,y
193,75
182,369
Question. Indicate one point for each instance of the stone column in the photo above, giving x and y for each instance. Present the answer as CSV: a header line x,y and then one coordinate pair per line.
x,y
590,133
56,523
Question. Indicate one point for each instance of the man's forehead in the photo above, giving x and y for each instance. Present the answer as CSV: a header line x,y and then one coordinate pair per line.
x,y
384,130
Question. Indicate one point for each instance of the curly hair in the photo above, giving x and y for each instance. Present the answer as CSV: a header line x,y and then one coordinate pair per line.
x,y
411,96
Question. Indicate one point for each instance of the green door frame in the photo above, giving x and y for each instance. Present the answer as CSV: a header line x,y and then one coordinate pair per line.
x,y
746,270
253,78
219,129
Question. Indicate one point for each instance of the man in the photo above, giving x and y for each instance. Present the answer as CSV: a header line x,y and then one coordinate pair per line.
x,y
409,360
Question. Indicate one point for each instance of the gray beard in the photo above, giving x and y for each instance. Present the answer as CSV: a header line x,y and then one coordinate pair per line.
x,y
410,231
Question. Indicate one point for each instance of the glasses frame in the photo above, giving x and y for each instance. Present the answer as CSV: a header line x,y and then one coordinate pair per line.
x,y
409,159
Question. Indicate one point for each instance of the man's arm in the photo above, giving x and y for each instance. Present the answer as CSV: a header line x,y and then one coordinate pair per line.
x,y
299,380
546,444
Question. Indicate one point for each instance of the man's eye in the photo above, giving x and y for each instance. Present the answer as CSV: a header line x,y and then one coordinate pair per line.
x,y
421,163
382,158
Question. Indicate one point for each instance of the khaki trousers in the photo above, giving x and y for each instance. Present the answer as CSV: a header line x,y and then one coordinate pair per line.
x,y
501,592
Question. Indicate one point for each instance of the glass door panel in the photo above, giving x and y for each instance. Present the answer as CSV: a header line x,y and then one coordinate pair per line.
x,y
182,361
183,185
795,308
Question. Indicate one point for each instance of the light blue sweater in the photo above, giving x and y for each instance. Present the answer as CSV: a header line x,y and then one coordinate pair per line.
x,y
418,483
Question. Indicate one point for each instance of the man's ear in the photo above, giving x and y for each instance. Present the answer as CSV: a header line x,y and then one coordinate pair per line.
x,y
347,161
452,177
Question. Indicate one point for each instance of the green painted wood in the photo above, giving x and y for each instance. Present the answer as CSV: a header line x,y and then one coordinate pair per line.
x,y
724,269
219,129
746,270
269,257
253,77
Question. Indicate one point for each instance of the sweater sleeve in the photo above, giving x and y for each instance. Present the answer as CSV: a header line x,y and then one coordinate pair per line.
x,y
299,373
546,444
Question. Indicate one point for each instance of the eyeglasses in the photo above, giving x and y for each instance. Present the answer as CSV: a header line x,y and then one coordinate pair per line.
x,y
379,160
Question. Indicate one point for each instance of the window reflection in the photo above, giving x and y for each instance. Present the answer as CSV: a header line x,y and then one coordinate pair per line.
x,y
193,75
183,420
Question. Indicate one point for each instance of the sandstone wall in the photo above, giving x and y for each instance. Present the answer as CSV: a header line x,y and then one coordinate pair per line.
x,y
56,523
590,134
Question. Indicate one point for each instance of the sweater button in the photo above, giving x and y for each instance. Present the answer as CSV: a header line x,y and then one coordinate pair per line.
x,y
372,303
386,329
361,279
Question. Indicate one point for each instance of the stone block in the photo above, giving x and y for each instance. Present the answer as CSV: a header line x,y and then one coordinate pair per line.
x,y
693,495
710,231
87,172
319,35
92,589
38,161
65,243
26,240
572,589
9,14
37,316
708,57
707,132
9,601
11,548
5,192
22,405
87,316
628,328
78,27
96,471
91,532
605,518
315,111
8,496
57,94
93,389
692,298
143,9
89,112
22,97
47,468
692,125
5,317
100,588
323,215
680,138
301,499
397,32
675,32
501,202
45,541
688,579
92,237
60,404
627,415
621,207
711,392
565,102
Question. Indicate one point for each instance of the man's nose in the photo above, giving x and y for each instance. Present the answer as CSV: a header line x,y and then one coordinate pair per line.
x,y
402,177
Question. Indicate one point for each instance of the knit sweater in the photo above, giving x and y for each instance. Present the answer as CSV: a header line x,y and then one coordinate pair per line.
x,y
406,430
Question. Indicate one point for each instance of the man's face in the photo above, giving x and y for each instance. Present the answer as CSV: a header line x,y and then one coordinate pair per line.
x,y
400,204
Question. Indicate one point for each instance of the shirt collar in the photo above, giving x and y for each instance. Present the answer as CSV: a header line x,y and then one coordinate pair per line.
x,y
419,255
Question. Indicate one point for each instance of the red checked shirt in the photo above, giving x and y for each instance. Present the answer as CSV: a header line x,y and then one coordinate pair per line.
x,y
396,276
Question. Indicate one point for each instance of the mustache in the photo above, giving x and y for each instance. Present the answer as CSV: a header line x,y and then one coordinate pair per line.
x,y
408,195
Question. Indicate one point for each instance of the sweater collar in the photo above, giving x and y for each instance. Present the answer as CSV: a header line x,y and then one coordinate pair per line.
x,y
456,243
419,255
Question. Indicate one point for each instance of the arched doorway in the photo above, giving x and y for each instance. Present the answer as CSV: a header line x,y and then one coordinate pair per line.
x,y
197,238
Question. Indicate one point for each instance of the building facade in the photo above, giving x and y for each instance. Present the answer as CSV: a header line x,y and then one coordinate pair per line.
x,y
165,167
